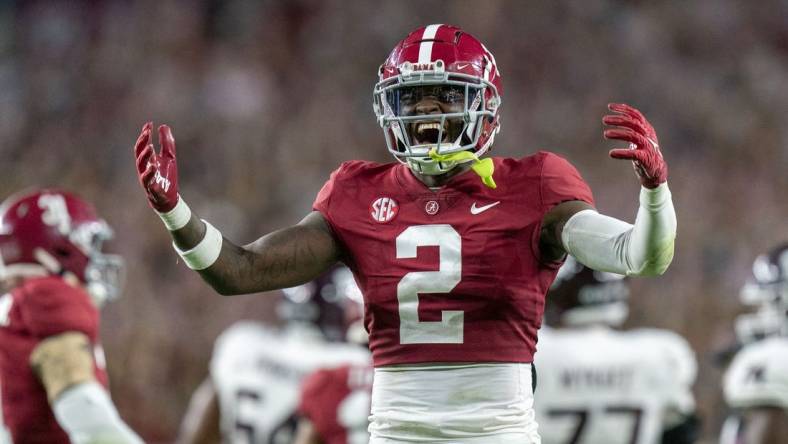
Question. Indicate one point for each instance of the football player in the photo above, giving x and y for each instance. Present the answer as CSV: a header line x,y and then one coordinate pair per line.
x,y
602,385
335,402
453,252
257,370
54,384
756,382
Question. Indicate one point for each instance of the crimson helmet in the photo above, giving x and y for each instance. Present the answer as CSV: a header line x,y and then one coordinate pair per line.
x,y
445,62
52,232
767,292
582,296
328,302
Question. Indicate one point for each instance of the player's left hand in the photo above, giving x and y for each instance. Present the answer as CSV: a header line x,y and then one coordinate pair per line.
x,y
643,149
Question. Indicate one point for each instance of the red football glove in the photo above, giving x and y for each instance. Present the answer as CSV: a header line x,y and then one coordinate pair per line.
x,y
643,148
158,173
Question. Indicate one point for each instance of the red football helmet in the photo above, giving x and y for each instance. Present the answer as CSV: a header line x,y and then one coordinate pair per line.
x,y
54,232
444,62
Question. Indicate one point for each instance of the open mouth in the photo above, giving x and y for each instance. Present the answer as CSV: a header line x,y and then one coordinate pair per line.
x,y
428,133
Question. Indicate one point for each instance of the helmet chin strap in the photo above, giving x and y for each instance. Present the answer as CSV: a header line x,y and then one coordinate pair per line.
x,y
47,261
52,266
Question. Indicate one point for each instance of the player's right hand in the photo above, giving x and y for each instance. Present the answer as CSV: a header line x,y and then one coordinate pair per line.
x,y
630,125
158,173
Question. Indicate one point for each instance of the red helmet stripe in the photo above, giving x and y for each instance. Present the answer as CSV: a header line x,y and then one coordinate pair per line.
x,y
425,49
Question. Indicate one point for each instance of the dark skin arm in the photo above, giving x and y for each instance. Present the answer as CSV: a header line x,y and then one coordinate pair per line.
x,y
306,433
284,258
550,244
201,421
297,254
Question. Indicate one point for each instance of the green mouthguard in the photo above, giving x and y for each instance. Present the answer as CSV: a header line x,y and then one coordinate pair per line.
x,y
483,167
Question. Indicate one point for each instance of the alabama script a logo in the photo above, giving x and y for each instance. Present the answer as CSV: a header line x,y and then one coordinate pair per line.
x,y
383,209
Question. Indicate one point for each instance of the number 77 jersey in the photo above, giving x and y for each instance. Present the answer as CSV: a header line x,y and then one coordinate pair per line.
x,y
451,275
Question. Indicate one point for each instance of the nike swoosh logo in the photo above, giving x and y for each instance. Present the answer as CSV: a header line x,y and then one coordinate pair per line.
x,y
462,66
477,210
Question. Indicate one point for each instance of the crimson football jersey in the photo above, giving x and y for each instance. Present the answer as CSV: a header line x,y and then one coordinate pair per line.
x,y
452,275
39,308
337,402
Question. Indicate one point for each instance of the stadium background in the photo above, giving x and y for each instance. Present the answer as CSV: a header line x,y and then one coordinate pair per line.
x,y
267,98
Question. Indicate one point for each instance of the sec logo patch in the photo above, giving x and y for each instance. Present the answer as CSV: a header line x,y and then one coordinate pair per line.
x,y
383,209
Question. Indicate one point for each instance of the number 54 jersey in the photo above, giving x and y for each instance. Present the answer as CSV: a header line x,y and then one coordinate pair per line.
x,y
257,372
449,275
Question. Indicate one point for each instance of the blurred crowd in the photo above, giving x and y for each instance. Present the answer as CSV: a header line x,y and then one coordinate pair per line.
x,y
266,98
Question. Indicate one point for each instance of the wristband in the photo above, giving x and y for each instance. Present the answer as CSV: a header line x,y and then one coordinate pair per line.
x,y
178,217
205,253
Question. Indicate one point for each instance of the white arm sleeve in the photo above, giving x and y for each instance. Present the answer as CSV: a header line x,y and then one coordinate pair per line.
x,y
88,415
607,244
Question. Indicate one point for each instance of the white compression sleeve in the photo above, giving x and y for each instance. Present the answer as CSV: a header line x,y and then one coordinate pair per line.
x,y
607,244
88,415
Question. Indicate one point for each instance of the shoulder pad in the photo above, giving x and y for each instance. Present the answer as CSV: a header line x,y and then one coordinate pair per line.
x,y
50,306
758,375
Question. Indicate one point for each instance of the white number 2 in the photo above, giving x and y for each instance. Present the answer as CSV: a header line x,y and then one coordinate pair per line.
x,y
449,329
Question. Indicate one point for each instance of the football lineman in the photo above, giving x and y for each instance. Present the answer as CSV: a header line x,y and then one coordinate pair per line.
x,y
335,402
756,382
256,370
54,384
602,385
453,252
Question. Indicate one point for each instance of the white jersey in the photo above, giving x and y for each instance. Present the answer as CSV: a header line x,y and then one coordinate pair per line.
x,y
758,375
257,373
598,385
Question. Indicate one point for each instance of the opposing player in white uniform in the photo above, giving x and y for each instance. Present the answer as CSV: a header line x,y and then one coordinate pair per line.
x,y
601,385
256,370
756,383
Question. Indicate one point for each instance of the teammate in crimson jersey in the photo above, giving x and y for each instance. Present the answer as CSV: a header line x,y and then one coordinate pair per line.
x,y
54,385
335,405
335,401
453,252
